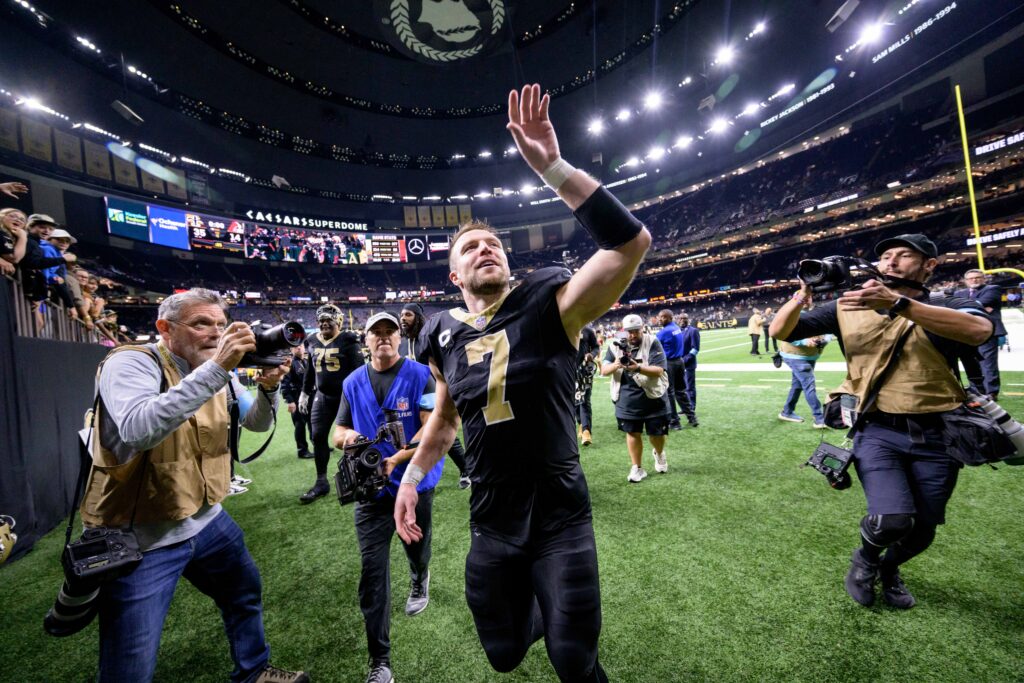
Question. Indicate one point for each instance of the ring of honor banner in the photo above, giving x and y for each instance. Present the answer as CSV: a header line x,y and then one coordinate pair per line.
x,y
97,160
451,216
9,130
69,150
35,140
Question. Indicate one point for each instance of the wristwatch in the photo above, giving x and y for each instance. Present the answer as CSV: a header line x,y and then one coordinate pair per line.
x,y
898,307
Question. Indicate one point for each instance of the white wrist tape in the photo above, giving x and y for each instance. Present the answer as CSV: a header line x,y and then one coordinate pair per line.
x,y
557,173
413,475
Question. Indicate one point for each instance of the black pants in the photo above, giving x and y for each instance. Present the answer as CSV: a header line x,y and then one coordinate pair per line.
x,y
677,391
301,424
548,587
753,343
321,417
769,338
690,377
983,371
458,455
375,525
584,411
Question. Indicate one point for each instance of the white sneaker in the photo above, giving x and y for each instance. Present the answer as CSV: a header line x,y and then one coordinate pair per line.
x,y
660,462
236,489
240,481
636,474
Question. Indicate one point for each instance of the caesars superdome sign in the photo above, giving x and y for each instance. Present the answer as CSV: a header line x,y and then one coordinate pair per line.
x,y
442,31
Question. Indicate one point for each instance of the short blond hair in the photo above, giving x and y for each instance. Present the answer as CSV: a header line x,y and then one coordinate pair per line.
x,y
469,227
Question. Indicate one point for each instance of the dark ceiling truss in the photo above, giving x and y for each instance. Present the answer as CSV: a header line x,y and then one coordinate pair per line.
x,y
356,39
225,46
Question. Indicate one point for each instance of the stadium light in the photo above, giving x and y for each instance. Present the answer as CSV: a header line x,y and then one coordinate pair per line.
x,y
656,153
683,141
596,126
653,100
871,33
718,125
686,81
751,108
784,90
485,154
724,55
631,162
528,189
623,115
759,28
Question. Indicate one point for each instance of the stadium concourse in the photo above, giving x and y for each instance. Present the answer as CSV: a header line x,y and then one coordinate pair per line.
x,y
322,219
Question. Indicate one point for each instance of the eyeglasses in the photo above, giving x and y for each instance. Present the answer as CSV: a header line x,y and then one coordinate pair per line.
x,y
202,327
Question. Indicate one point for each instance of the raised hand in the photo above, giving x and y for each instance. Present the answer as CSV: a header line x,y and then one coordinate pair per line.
x,y
13,189
531,128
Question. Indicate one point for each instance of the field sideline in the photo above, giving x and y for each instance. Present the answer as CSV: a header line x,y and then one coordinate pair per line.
x,y
727,568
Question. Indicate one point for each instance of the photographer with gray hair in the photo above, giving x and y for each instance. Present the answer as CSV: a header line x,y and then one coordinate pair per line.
x,y
162,426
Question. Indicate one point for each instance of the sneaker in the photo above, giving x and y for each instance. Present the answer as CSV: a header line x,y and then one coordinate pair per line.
x,y
319,490
380,672
660,462
304,454
636,474
235,489
675,426
790,417
694,422
240,481
860,579
586,438
419,596
895,592
271,674
820,425
465,482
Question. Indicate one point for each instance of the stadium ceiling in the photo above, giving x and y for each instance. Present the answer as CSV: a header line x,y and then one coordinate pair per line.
x,y
421,84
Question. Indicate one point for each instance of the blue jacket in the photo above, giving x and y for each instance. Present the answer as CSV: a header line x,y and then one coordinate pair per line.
x,y
405,396
671,338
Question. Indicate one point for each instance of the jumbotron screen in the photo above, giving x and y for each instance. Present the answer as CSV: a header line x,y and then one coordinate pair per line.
x,y
190,230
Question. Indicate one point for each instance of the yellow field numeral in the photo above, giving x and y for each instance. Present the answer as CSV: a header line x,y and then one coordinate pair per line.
x,y
497,408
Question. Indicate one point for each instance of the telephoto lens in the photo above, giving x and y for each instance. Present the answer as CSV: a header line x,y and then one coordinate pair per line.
x,y
1013,430
73,610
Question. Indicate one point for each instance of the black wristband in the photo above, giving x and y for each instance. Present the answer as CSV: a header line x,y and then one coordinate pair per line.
x,y
900,305
607,220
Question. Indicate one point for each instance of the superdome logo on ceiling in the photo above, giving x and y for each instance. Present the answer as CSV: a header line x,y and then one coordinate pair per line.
x,y
442,31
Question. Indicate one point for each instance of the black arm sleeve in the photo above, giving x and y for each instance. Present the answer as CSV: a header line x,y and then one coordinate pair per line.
x,y
822,320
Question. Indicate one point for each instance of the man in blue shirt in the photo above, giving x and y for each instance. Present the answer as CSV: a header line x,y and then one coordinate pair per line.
x,y
671,338
391,382
691,347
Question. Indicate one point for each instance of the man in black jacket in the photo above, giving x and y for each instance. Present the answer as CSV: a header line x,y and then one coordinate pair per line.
x,y
984,375
291,389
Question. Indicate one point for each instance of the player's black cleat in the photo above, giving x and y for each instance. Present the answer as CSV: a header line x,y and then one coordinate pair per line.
x,y
860,580
319,490
895,592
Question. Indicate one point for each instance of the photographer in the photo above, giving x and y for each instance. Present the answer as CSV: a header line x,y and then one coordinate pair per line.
x,y
291,390
639,390
180,435
585,355
899,453
388,382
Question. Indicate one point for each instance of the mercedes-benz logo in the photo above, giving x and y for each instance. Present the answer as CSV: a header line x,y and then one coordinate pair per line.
x,y
416,246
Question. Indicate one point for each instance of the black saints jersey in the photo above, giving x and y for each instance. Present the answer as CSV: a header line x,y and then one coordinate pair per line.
x,y
511,371
330,362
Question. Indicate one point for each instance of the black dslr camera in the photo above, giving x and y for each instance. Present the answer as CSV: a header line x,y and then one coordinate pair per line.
x,y
360,474
623,345
833,462
272,344
842,272
100,555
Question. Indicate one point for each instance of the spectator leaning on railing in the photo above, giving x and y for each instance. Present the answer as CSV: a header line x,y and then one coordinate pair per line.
x,y
13,239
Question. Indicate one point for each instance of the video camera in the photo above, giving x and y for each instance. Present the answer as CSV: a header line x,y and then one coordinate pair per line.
x,y
623,346
838,273
360,474
273,343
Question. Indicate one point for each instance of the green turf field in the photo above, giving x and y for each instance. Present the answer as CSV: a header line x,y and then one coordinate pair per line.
x,y
727,568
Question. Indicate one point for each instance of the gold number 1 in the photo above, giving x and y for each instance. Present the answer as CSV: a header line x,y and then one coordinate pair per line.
x,y
497,408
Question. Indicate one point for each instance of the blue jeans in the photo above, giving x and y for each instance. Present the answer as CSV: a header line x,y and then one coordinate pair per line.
x,y
133,608
803,380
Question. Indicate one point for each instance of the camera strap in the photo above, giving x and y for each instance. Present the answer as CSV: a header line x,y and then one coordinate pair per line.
x,y
234,429
85,454
872,395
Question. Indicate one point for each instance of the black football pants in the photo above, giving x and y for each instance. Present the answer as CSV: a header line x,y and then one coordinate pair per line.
x,y
322,417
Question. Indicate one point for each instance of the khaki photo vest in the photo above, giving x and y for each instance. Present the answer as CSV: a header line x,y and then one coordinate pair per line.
x,y
190,467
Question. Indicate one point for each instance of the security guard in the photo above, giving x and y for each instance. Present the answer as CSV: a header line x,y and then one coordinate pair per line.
x,y
899,454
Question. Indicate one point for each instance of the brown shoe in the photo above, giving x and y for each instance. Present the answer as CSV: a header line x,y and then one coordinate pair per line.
x,y
587,439
271,674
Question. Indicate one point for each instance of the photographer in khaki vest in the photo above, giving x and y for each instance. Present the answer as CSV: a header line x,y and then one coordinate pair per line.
x,y
898,453
162,458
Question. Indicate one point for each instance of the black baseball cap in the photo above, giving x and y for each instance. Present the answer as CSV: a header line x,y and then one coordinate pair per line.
x,y
915,241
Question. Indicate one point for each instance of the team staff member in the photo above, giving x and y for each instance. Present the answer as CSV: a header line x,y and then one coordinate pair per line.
x,y
985,375
389,382
585,355
670,336
415,347
506,365
766,320
691,347
333,355
754,328
181,527
291,390
899,454
639,389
